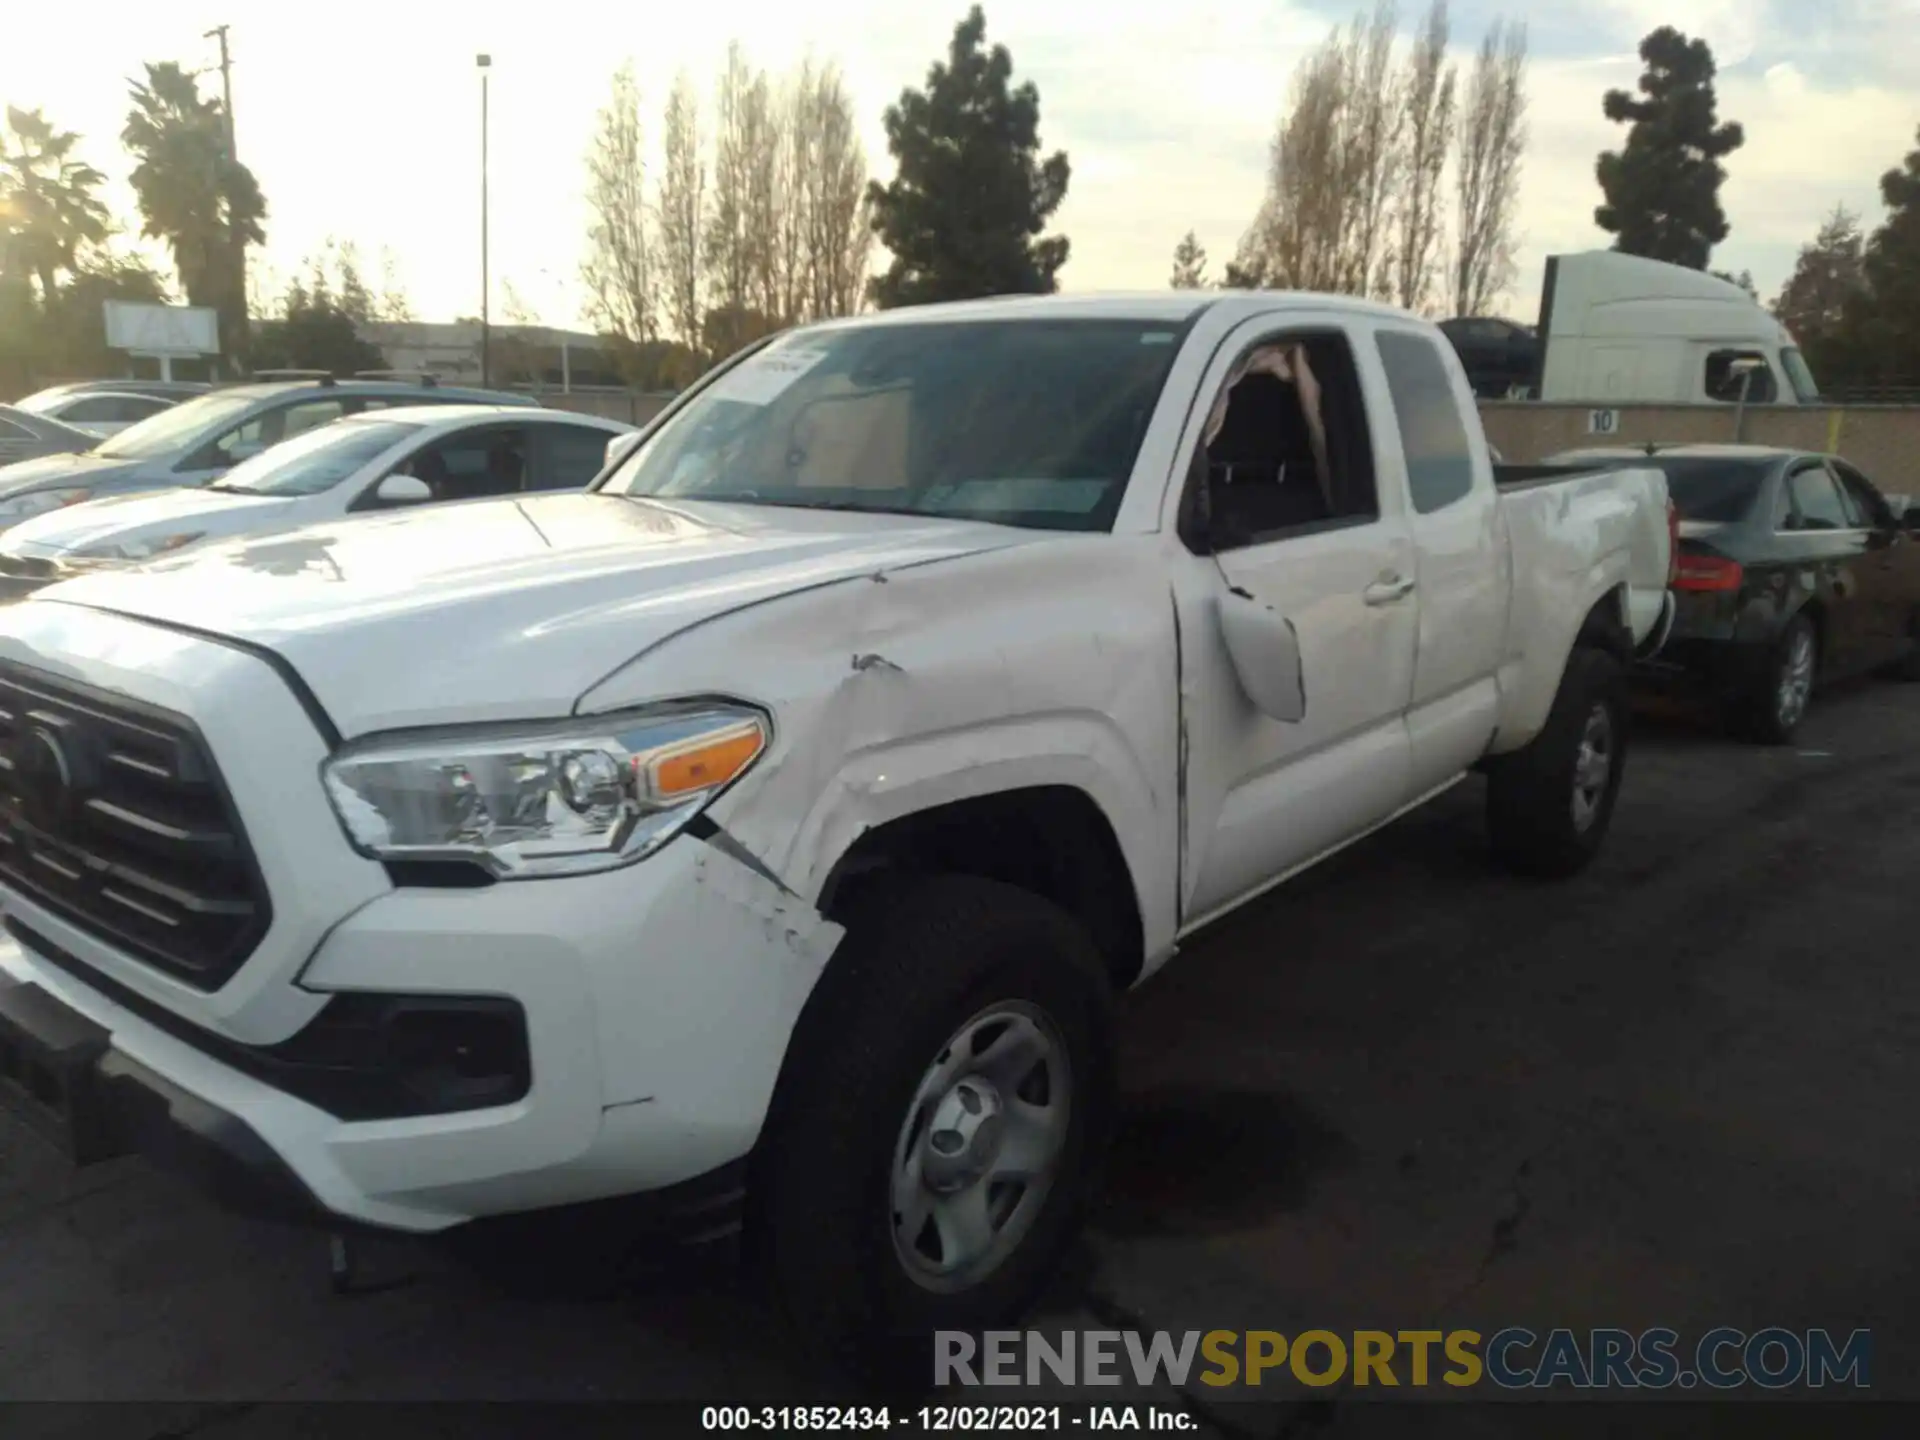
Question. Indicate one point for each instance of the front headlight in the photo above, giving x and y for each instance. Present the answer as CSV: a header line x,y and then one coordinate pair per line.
x,y
578,796
38,502
139,549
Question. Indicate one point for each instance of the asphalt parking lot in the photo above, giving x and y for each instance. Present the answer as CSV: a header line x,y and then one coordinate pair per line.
x,y
1401,1093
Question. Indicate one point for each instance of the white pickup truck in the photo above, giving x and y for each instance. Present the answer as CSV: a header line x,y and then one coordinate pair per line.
x,y
763,835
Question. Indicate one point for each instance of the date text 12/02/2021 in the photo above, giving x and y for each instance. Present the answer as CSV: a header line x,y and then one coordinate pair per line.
x,y
944,1419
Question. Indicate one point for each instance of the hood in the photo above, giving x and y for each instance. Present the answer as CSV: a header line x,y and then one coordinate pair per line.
x,y
507,609
56,470
153,515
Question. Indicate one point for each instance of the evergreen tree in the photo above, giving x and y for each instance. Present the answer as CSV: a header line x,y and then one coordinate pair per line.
x,y
1663,188
1828,276
1883,318
1189,264
970,195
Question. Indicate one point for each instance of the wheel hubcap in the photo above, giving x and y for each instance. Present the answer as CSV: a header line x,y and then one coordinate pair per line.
x,y
979,1147
1592,766
1796,679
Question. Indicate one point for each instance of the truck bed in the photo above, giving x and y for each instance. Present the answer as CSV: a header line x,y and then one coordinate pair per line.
x,y
1527,477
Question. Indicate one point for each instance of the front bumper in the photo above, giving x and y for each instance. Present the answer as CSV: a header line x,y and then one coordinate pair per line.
x,y
61,1077
658,1000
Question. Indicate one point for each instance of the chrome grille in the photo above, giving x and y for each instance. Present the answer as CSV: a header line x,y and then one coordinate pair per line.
x,y
113,816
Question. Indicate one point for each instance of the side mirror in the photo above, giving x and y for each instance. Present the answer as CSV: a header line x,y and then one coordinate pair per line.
x,y
620,447
1265,650
402,490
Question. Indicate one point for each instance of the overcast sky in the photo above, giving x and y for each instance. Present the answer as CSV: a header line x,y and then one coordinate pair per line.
x,y
361,120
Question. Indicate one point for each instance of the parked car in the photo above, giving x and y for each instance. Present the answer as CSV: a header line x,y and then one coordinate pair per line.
x,y
779,818
366,463
1501,357
203,438
175,390
101,412
1794,570
27,436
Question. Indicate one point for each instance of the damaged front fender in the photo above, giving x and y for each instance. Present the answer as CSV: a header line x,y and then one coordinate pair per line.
x,y
1044,664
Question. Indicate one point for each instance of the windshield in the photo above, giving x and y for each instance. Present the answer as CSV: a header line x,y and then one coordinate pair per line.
x,y
317,460
173,430
1717,491
1805,389
1017,422
41,399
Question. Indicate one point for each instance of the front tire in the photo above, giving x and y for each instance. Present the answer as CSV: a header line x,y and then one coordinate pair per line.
x,y
1549,805
946,1103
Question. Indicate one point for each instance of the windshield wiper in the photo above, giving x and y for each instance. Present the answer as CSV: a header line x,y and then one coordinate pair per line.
x,y
754,498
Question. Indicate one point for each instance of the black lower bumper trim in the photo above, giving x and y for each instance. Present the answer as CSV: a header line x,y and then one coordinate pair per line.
x,y
217,1151
60,1074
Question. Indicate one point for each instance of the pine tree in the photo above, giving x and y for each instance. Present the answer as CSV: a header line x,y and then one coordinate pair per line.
x,y
1828,275
1189,264
1883,318
1663,188
970,194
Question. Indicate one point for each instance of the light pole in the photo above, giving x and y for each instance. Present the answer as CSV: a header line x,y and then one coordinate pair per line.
x,y
485,63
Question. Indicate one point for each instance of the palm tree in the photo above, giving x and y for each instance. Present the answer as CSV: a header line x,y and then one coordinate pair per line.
x,y
48,209
194,194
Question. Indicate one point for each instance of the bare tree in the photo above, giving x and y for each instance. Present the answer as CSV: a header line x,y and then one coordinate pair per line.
x,y
393,303
1189,264
792,147
1371,124
731,220
680,212
1491,145
830,199
1296,238
1428,89
514,306
1325,222
761,135
619,266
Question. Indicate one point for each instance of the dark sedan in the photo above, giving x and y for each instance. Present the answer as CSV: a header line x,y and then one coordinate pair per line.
x,y
1794,569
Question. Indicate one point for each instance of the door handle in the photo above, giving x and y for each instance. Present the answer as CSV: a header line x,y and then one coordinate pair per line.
x,y
1387,590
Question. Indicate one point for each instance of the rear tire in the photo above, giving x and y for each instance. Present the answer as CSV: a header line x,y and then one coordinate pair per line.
x,y
1771,709
960,1039
1908,669
1550,804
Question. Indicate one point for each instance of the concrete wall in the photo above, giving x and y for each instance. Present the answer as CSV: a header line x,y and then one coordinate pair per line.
x,y
1883,440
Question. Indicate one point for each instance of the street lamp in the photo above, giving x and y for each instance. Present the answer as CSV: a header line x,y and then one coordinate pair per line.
x,y
484,63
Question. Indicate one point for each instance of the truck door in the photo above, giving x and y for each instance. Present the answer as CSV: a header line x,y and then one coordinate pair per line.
x,y
1460,554
1280,510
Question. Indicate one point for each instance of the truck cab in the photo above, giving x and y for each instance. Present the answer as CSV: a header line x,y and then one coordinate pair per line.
x,y
1623,330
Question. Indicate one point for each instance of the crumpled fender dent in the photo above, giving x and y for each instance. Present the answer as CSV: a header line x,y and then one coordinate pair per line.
x,y
1047,663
